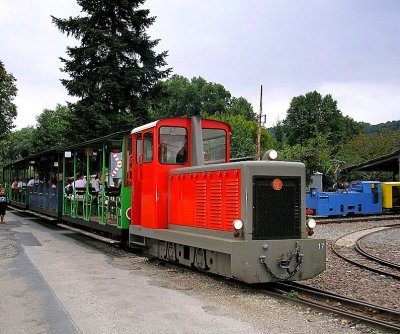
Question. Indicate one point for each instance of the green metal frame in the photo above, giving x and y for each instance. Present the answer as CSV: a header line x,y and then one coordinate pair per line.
x,y
107,207
102,198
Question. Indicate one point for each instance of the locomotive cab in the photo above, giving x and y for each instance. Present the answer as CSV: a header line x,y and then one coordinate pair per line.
x,y
167,144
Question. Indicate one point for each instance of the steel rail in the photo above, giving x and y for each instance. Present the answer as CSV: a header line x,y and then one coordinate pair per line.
x,y
364,252
282,288
346,258
347,219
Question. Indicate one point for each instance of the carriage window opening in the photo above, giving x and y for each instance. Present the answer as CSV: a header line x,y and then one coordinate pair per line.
x,y
148,147
172,148
214,144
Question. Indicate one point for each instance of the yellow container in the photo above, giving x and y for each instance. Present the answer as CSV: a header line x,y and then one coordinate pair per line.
x,y
391,195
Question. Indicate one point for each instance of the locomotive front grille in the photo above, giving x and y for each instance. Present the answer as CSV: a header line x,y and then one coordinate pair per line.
x,y
276,208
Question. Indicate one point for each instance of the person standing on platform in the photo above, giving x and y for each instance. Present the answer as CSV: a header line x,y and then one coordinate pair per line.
x,y
3,205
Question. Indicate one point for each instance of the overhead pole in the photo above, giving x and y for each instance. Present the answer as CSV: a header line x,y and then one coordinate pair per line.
x,y
259,127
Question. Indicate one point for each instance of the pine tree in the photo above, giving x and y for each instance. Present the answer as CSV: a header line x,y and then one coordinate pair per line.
x,y
115,67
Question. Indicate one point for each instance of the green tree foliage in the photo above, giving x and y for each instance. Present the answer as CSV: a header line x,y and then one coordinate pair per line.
x,y
278,133
240,106
314,153
17,145
244,136
8,110
391,125
14,146
179,96
366,146
313,117
115,67
52,129
312,114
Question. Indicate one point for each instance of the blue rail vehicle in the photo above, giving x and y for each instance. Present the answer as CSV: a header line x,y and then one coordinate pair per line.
x,y
362,197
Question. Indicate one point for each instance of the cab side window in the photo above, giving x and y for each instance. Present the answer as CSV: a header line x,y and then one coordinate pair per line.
x,y
146,143
172,147
214,143
148,147
138,149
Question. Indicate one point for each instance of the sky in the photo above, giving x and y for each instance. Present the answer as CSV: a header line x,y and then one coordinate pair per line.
x,y
347,48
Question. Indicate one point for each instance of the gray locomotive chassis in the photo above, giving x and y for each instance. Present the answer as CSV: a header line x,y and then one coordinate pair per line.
x,y
239,258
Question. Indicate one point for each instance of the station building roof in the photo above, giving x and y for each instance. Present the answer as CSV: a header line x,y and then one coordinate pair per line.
x,y
386,163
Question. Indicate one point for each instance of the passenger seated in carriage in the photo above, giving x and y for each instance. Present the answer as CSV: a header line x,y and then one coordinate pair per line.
x,y
68,187
80,181
34,181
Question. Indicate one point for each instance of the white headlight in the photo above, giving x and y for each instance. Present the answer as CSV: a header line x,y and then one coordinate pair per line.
x,y
237,224
311,223
270,155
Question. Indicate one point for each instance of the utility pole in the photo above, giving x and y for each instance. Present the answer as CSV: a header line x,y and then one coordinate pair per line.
x,y
259,128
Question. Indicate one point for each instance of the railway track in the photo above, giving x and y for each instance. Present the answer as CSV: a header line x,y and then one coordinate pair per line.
x,y
349,219
362,250
349,248
352,308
